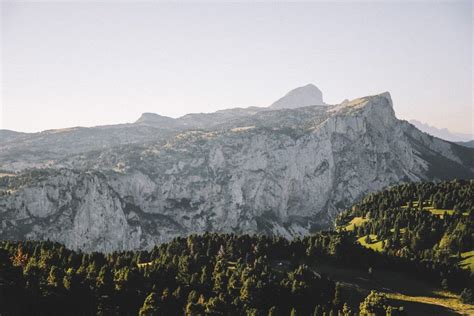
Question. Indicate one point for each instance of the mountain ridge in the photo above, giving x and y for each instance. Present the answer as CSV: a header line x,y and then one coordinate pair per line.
x,y
442,133
285,172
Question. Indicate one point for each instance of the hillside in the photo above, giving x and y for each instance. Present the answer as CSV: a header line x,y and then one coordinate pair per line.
x,y
429,221
325,273
225,275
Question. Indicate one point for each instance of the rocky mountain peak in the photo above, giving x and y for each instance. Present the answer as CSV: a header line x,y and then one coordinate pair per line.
x,y
154,119
387,96
302,96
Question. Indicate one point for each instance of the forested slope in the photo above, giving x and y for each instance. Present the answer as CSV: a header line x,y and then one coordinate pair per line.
x,y
427,221
424,228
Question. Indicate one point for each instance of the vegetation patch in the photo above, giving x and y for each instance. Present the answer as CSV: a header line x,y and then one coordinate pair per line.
x,y
356,221
371,242
467,260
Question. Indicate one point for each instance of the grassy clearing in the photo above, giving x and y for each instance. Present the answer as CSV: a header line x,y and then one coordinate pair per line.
x,y
374,243
467,260
356,221
434,211
438,211
402,230
144,264
418,297
449,301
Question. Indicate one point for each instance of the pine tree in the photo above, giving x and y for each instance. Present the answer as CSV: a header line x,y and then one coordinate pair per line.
x,y
444,284
374,304
216,306
104,279
273,311
20,259
70,280
54,278
346,310
248,291
317,311
467,297
150,305
337,301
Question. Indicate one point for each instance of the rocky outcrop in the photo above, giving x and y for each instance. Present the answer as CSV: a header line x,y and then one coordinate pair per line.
x,y
285,172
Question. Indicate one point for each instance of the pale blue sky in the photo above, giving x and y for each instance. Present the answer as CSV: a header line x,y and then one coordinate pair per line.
x,y
94,63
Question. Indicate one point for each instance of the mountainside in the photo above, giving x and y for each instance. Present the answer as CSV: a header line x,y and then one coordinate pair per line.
x,y
256,170
429,221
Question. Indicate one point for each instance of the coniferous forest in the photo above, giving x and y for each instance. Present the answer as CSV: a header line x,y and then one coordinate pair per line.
x,y
422,231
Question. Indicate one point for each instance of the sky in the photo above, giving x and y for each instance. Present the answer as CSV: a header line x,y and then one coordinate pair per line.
x,y
66,63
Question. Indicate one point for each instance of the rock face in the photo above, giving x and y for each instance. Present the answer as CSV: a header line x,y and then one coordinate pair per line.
x,y
254,170
303,96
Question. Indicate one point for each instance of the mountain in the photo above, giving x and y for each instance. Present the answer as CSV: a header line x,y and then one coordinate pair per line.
x,y
442,133
283,172
299,97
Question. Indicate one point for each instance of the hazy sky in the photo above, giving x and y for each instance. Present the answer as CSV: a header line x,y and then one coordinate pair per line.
x,y
93,63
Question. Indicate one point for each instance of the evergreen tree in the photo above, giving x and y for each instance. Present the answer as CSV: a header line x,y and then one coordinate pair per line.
x,y
346,310
374,304
150,306
338,299
273,311
54,277
317,311
467,296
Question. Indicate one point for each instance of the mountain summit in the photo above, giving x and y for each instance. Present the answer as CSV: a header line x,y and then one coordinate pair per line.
x,y
300,97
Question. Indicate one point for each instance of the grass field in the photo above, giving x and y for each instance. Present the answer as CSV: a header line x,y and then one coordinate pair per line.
x,y
402,230
435,211
374,244
467,260
417,297
356,221
438,211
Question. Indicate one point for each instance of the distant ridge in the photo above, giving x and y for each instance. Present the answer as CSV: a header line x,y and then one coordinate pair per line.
x,y
469,144
442,133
